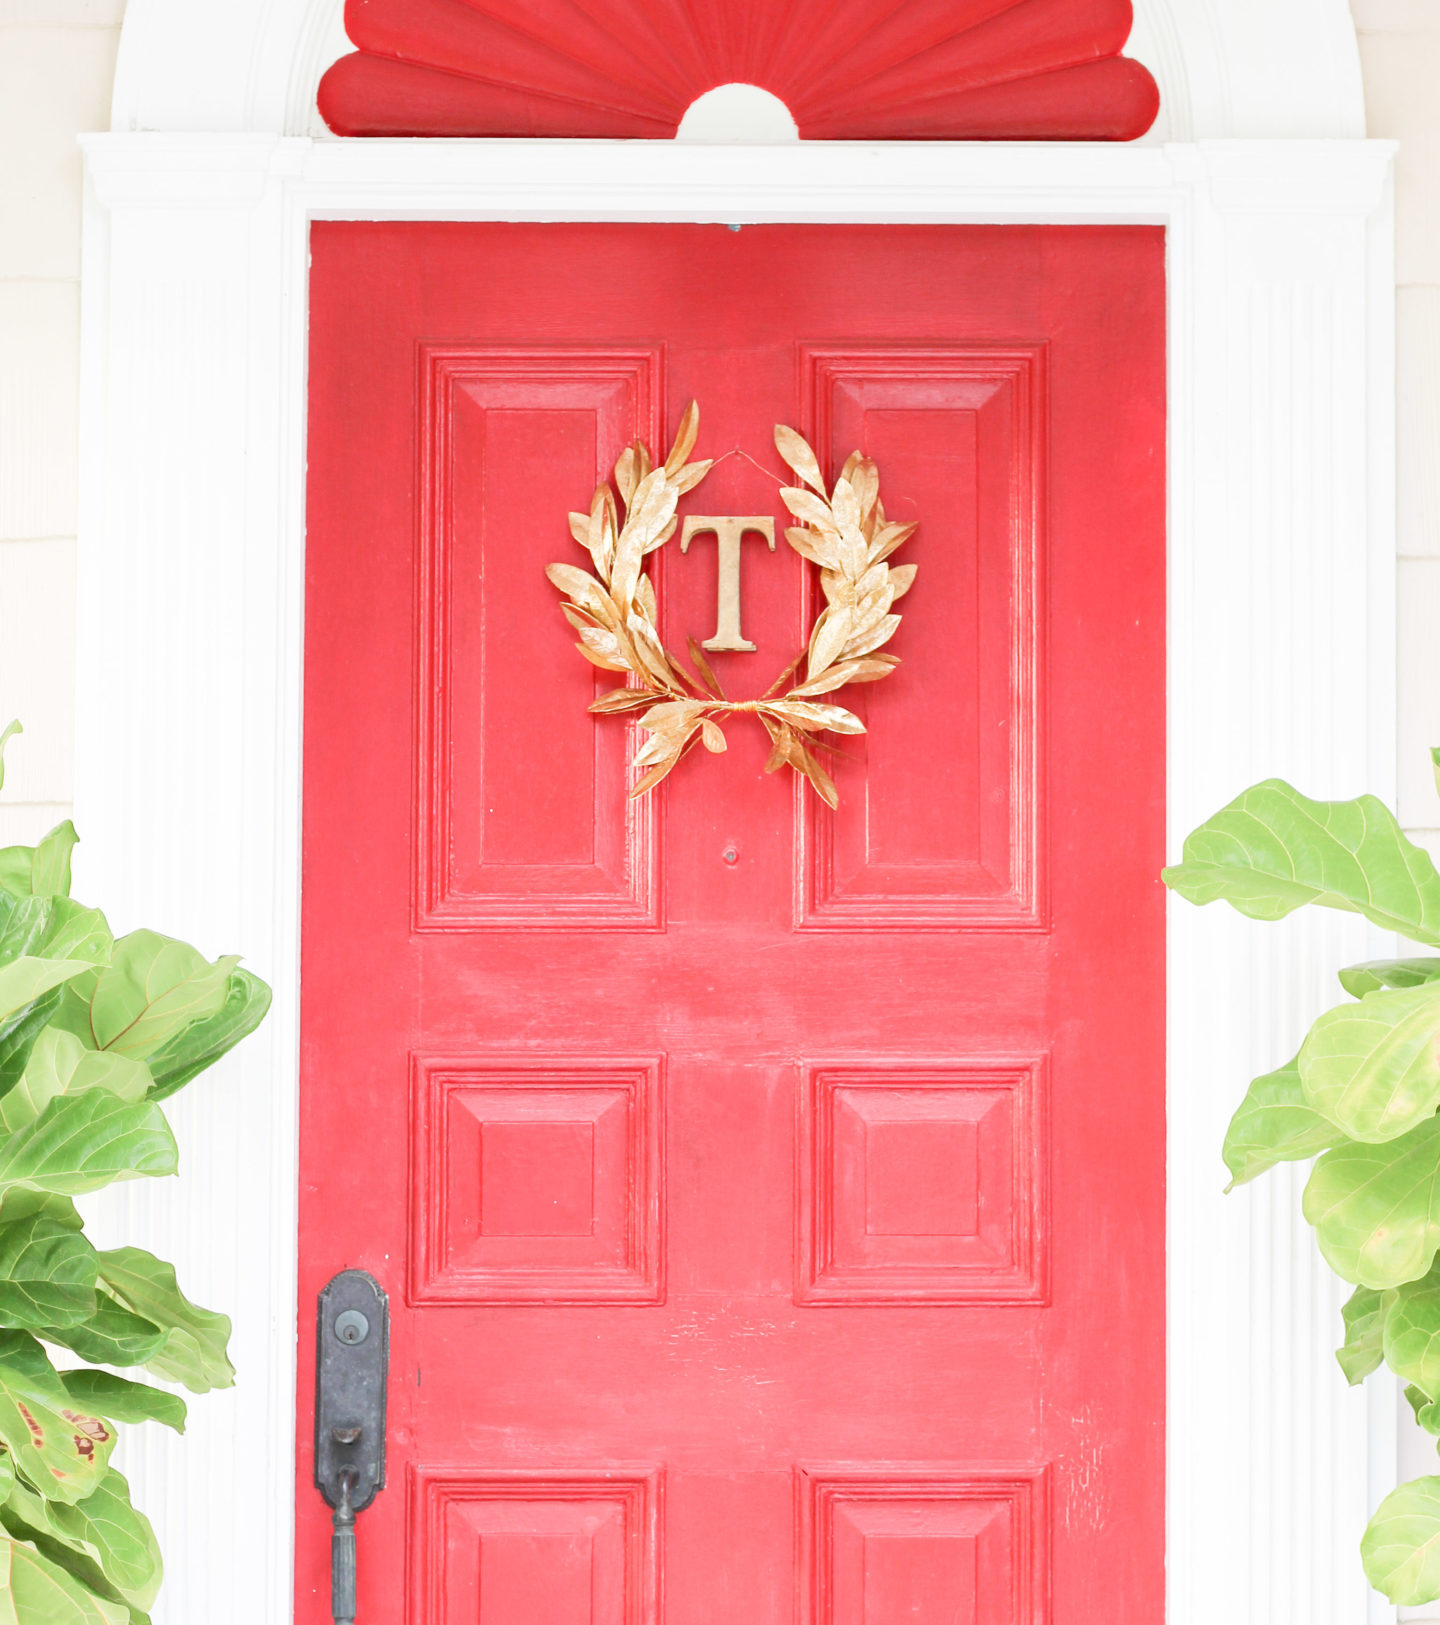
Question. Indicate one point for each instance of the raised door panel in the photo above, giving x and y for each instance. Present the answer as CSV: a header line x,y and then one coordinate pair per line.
x,y
506,839
940,822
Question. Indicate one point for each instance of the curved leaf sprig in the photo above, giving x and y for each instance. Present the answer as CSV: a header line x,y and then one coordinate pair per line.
x,y
843,530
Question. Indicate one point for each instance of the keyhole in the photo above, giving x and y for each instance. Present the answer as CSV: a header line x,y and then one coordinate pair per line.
x,y
352,1327
730,855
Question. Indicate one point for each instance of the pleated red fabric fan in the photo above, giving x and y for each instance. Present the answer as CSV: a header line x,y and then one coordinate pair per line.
x,y
849,70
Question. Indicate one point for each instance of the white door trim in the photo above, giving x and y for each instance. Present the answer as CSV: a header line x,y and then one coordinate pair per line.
x,y
1281,661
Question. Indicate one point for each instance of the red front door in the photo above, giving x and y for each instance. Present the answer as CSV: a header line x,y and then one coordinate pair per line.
x,y
770,1199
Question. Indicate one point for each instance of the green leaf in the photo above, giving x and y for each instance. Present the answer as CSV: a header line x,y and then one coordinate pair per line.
x,y
1273,1124
1427,1412
1272,850
50,868
35,1591
52,928
23,980
1375,974
1376,1208
11,729
1363,1348
194,1352
1412,1333
112,1335
1373,1068
81,1142
122,1401
203,1042
61,1065
18,1203
18,1033
53,1441
47,1274
103,1541
1401,1546
151,990
16,863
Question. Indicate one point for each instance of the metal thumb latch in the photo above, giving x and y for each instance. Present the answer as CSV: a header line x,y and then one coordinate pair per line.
x,y
352,1358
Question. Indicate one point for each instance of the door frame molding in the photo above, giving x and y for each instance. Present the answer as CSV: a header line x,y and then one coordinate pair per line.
x,y
1281,661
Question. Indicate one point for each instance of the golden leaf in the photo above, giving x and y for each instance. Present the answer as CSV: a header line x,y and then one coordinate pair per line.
x,y
845,505
873,639
580,529
902,578
577,617
865,480
604,662
643,464
661,536
845,671
711,736
654,776
627,474
691,475
833,718
810,544
797,453
645,599
823,783
852,462
853,551
621,699
702,665
807,506
684,439
832,632
648,647
888,538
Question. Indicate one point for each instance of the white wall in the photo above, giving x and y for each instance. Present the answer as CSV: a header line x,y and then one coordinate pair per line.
x,y
57,62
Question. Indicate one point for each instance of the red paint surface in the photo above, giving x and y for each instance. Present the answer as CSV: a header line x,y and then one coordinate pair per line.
x,y
1013,70
782,1237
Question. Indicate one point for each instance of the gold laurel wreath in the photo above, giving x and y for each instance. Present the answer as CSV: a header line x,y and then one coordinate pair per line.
x,y
843,531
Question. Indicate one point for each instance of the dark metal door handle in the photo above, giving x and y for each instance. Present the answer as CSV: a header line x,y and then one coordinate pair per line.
x,y
352,1356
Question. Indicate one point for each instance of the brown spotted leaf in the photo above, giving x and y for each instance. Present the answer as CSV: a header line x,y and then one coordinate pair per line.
x,y
60,1448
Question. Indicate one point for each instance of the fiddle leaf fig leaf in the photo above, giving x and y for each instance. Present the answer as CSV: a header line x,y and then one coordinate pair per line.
x,y
1375,974
33,1589
81,1142
1376,1208
101,1541
203,1042
124,1401
1271,850
50,867
111,1335
47,1274
194,1349
60,1064
152,988
1373,1068
1274,1123
1401,1546
23,980
1412,1333
1363,1349
18,1033
54,1442
1427,1412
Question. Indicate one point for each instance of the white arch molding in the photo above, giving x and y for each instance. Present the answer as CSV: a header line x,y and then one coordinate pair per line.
x,y
1281,616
